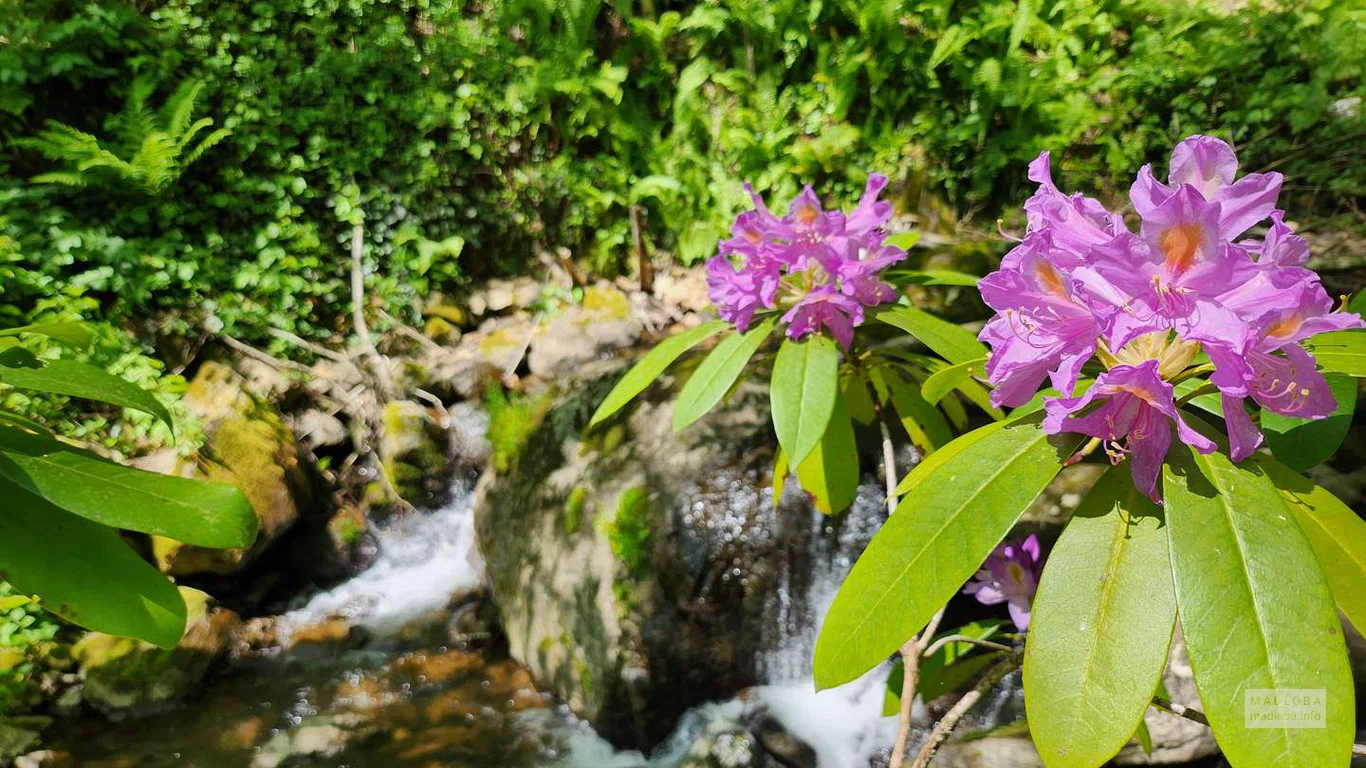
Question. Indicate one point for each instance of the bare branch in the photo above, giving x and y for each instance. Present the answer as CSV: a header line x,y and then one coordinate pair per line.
x,y
943,641
945,726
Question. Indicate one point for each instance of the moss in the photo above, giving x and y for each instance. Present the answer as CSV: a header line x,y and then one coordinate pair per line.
x,y
608,302
512,420
499,340
574,508
629,531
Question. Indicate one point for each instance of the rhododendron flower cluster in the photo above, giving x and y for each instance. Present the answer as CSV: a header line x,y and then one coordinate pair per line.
x,y
820,268
1010,575
1081,286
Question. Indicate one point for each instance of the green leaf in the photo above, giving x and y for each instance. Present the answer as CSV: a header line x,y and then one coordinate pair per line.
x,y
84,572
1100,628
903,240
70,333
208,514
935,277
945,380
802,393
1255,611
952,342
830,473
643,373
931,463
714,377
1336,533
68,377
954,514
1305,443
924,424
1144,737
857,400
1340,352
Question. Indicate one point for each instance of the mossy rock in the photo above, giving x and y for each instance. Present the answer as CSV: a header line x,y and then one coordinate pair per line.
x,y
413,452
122,674
249,446
20,734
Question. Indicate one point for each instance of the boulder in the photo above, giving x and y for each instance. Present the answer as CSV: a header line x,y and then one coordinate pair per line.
x,y
413,451
314,739
576,334
122,674
638,572
247,445
19,734
989,752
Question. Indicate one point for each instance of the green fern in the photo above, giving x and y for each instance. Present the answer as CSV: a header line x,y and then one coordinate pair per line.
x,y
157,146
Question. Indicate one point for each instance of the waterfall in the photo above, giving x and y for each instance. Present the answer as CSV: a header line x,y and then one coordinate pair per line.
x,y
423,562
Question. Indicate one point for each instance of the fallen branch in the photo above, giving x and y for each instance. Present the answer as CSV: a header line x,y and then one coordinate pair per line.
x,y
377,362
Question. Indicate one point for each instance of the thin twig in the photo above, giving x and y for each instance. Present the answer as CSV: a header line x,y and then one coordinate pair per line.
x,y
911,653
262,357
414,334
888,462
943,641
945,726
377,361
1181,710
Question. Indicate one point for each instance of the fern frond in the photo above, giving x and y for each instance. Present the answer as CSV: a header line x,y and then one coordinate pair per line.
x,y
180,107
59,177
182,140
205,145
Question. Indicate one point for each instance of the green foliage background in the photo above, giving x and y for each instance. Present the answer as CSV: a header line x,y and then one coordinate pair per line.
x,y
495,129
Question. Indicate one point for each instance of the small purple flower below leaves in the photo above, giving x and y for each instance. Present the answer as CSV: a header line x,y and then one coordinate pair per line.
x,y
1011,576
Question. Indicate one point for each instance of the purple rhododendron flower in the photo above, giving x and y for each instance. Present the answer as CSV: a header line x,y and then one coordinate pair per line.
x,y
1010,575
820,268
1081,286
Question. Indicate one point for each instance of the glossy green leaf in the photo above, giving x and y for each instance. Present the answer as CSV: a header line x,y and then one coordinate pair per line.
x,y
802,393
1100,628
952,342
931,463
1144,737
857,399
1340,352
69,333
84,572
952,517
903,240
1358,303
1336,533
1255,611
935,277
923,423
208,514
68,377
945,380
830,473
643,373
714,377
1304,443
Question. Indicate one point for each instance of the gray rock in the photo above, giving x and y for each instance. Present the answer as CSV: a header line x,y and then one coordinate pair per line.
x,y
313,739
574,335
990,752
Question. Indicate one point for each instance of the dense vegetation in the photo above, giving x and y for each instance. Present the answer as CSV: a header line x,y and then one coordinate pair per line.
x,y
468,138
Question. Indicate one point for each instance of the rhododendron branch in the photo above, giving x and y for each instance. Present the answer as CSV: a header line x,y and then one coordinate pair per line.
x,y
943,641
911,654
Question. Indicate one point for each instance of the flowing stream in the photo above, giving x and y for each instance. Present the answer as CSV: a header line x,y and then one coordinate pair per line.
x,y
406,694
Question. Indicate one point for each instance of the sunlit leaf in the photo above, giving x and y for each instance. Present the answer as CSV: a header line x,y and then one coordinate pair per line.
x,y
830,473
803,392
945,380
1255,610
954,514
68,377
1100,628
643,373
70,333
923,423
96,581
1337,534
718,371
1340,352
952,342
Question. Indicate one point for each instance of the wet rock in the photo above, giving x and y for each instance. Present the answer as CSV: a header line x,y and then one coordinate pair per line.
x,y
319,429
990,752
247,445
636,570
126,675
19,734
316,738
576,334
412,448
782,745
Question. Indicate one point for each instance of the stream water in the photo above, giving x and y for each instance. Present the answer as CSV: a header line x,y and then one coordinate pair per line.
x,y
407,695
